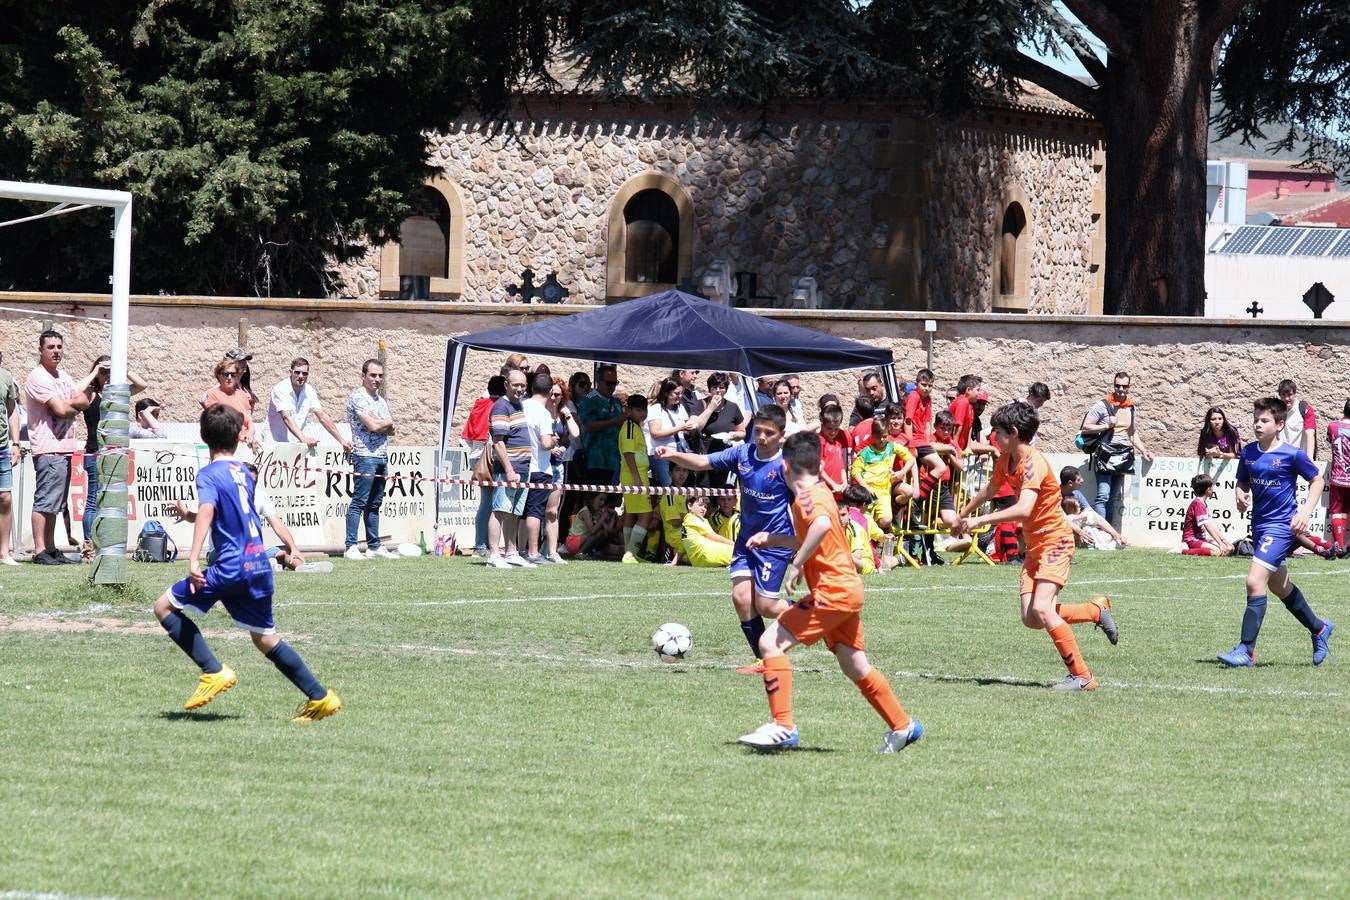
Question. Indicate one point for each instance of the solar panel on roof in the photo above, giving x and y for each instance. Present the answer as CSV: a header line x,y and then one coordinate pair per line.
x,y
1244,240
1317,241
1280,242
1342,247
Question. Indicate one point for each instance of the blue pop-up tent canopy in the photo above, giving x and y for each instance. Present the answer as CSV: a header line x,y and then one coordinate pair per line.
x,y
671,330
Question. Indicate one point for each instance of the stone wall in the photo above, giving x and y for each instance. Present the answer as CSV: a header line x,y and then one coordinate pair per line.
x,y
975,172
783,199
1180,367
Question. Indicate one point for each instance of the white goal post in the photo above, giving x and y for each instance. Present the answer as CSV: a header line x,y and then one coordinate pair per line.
x,y
110,528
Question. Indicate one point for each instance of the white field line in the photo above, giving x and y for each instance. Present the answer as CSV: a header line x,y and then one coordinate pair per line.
x,y
601,662
705,595
45,895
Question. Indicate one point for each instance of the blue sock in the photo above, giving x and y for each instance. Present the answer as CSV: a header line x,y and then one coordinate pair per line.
x,y
753,629
1295,603
184,632
294,668
1251,620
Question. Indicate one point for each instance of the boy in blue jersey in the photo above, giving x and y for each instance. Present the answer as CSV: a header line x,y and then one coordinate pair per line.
x,y
1270,469
240,579
756,573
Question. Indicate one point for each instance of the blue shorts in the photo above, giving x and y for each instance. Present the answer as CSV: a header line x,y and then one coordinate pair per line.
x,y
249,613
766,566
6,471
1273,545
509,500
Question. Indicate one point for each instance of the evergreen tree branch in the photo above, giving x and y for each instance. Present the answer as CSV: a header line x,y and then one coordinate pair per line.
x,y
1066,87
1102,20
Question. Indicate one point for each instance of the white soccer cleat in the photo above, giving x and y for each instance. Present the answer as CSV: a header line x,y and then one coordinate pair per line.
x,y
900,738
771,736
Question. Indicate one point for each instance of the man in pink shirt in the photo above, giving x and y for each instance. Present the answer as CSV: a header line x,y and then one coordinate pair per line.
x,y
53,402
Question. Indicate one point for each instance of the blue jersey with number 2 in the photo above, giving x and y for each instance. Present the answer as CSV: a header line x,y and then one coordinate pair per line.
x,y
1272,477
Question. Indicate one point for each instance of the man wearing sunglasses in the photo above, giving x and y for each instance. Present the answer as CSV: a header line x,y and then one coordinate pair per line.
x,y
1113,418
290,406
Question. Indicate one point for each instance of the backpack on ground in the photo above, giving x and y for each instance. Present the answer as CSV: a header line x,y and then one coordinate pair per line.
x,y
154,544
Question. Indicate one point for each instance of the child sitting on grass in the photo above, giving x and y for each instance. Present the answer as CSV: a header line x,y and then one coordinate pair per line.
x,y
595,530
703,548
1200,536
865,538
1091,529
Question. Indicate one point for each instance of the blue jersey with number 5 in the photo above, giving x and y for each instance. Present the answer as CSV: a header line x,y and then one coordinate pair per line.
x,y
236,530
765,496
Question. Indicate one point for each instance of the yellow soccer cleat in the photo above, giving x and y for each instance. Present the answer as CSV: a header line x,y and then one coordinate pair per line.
x,y
630,559
209,685
314,710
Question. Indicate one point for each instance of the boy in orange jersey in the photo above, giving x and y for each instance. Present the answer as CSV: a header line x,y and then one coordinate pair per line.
x,y
830,611
1049,539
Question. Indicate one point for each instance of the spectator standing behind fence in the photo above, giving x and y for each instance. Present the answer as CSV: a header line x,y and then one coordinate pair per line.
x,y
229,392
372,426
512,455
543,438
9,461
1218,438
53,401
100,373
1113,417
569,433
477,436
290,406
601,414
1300,429
145,424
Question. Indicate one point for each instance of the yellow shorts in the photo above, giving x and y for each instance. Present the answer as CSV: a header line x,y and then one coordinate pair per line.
x,y
709,556
809,621
637,503
881,507
1047,562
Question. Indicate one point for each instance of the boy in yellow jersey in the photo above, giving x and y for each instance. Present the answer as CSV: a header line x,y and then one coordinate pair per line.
x,y
638,517
884,466
863,534
671,508
703,548
830,611
1049,539
726,518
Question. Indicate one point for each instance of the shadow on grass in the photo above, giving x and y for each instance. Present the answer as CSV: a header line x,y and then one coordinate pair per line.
x,y
1215,664
987,681
183,715
751,751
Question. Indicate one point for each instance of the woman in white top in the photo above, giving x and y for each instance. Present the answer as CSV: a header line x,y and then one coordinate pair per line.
x,y
668,423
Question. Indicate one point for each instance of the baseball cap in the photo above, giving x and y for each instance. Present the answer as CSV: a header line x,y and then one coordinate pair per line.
x,y
238,354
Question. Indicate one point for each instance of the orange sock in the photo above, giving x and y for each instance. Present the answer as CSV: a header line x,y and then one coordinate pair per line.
x,y
1067,646
1078,612
877,690
778,685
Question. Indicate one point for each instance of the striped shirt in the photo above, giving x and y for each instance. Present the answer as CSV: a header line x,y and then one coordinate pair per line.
x,y
508,424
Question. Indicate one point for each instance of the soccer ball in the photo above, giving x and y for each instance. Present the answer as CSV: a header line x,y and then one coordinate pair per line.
x,y
672,642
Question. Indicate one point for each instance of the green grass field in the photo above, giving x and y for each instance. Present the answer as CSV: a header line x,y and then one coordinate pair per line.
x,y
510,733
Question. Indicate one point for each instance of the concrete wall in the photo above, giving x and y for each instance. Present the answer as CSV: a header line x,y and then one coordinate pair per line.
x,y
1180,366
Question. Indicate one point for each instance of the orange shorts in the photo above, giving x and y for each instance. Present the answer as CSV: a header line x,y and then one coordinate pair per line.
x,y
1047,562
809,620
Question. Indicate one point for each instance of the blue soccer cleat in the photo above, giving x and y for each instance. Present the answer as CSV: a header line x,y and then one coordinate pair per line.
x,y
771,736
1239,657
900,738
1320,642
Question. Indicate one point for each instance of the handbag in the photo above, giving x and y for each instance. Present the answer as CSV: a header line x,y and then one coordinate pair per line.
x,y
482,470
1089,443
1112,462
